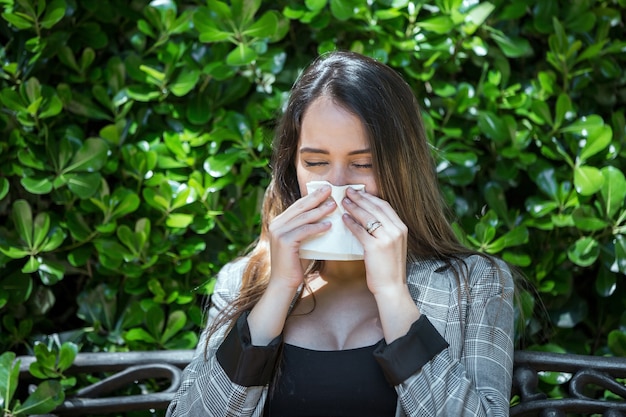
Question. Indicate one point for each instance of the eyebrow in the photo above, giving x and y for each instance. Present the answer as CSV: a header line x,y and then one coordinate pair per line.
x,y
325,152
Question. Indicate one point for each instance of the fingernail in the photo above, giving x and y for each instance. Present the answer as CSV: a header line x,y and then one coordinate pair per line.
x,y
330,202
347,201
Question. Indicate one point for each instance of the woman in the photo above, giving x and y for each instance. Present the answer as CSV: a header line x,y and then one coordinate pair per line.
x,y
421,326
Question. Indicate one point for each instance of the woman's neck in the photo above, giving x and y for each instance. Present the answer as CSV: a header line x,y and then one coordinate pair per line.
x,y
343,273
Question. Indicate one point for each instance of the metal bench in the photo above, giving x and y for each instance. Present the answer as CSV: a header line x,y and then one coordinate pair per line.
x,y
588,374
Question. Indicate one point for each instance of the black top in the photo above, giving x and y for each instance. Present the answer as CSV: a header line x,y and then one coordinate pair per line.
x,y
334,383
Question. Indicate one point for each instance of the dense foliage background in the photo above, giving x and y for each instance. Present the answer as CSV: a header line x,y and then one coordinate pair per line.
x,y
136,135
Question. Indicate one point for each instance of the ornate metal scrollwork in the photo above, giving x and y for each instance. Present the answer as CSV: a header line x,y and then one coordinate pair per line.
x,y
589,374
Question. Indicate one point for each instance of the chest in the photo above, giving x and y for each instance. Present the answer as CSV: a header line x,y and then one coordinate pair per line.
x,y
334,322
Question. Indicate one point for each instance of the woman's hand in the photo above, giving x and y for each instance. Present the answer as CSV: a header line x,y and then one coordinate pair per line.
x,y
385,248
290,228
385,252
286,232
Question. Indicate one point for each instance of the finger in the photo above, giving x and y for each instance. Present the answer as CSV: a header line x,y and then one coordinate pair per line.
x,y
287,222
302,232
305,204
356,228
368,208
368,214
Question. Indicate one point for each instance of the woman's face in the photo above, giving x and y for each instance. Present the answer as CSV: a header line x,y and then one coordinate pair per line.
x,y
333,147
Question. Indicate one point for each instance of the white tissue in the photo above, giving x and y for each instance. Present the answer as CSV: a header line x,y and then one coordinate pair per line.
x,y
338,243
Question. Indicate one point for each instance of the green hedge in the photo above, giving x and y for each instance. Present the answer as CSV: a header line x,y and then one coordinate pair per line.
x,y
136,136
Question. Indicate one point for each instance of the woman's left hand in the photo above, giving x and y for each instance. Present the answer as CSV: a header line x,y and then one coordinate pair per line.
x,y
385,246
385,252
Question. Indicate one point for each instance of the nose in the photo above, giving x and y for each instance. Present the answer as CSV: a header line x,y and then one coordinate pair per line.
x,y
338,176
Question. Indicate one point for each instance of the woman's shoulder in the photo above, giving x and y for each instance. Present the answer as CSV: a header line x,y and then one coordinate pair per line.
x,y
230,276
475,270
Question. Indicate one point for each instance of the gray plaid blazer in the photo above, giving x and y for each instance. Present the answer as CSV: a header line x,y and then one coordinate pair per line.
x,y
472,377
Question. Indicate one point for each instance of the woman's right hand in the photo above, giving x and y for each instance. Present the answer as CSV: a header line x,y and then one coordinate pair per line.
x,y
286,232
289,229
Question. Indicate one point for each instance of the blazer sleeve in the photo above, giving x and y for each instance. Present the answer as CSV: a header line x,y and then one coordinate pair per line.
x,y
206,389
479,382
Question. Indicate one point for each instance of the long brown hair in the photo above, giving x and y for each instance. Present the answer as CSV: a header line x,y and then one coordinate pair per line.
x,y
402,161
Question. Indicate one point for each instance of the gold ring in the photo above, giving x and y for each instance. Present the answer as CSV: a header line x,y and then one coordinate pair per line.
x,y
372,226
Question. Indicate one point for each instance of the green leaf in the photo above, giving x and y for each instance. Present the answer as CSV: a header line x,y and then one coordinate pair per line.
x,y
558,40
67,354
52,107
40,229
111,133
175,322
613,190
46,360
220,164
111,249
55,11
546,180
438,24
124,202
617,343
205,21
155,319
584,252
212,34
184,340
620,254
584,124
241,55
4,188
542,111
185,82
494,195
91,156
597,140
139,335
12,100
197,109
50,272
315,5
265,27
563,108
514,237
539,208
9,376
36,185
179,220
53,240
31,265
20,21
493,126
84,184
585,219
47,396
342,9
66,56
477,16
143,93
156,200
23,221
19,286
512,47
133,241
587,180
244,10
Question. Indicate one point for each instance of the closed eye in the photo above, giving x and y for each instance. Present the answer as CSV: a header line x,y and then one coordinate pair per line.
x,y
364,166
314,164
